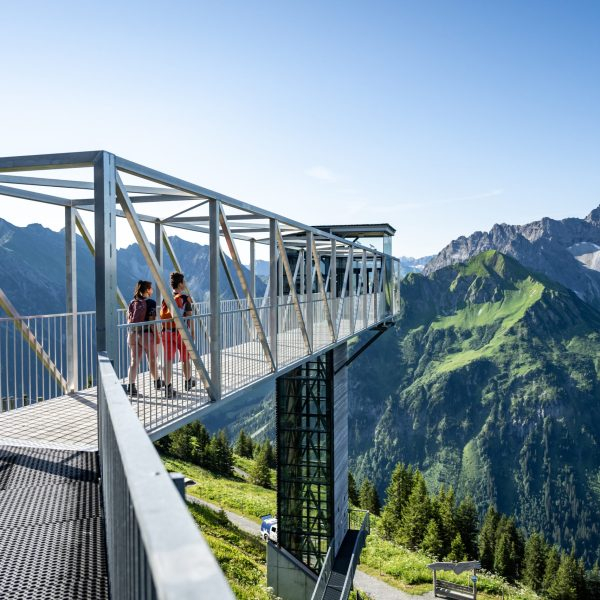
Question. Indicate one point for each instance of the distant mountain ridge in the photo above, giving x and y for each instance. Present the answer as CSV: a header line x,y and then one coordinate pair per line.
x,y
32,269
567,251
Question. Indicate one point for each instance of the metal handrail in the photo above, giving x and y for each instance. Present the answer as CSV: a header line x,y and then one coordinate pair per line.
x,y
358,545
154,548
324,575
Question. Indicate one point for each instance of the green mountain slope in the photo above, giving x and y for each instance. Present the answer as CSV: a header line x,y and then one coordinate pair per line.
x,y
489,382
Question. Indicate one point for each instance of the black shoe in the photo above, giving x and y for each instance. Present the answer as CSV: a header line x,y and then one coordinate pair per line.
x,y
170,392
190,383
159,383
131,389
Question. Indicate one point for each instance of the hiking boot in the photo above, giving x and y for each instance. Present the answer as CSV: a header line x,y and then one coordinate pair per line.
x,y
159,383
170,392
190,383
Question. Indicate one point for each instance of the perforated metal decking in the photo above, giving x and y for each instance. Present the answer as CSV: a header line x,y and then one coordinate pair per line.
x,y
51,525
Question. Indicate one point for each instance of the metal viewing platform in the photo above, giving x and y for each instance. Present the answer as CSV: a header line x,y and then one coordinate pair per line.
x,y
322,289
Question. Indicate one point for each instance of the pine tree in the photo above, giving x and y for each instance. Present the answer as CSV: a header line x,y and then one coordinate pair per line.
x,y
271,459
181,444
369,498
535,562
221,454
466,524
504,556
416,514
244,446
397,495
487,539
352,491
432,544
457,550
552,564
508,555
564,585
261,473
445,512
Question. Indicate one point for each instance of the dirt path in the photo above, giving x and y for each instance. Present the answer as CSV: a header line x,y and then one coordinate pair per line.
x,y
377,589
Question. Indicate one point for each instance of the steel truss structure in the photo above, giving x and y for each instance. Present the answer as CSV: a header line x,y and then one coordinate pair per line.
x,y
305,447
322,288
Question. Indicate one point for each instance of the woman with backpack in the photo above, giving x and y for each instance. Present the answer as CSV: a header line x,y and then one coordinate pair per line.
x,y
142,338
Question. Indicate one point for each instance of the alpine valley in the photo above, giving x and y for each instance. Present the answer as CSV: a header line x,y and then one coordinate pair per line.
x,y
489,382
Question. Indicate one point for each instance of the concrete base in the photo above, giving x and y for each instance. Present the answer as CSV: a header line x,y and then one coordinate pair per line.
x,y
288,577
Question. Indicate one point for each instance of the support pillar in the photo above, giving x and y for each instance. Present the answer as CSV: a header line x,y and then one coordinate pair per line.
x,y
253,268
106,254
215,299
71,283
158,252
308,286
312,469
273,281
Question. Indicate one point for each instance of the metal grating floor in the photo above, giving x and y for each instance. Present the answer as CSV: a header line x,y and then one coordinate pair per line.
x,y
51,525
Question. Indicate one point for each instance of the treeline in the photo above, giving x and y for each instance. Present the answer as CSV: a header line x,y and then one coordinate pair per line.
x,y
194,444
444,529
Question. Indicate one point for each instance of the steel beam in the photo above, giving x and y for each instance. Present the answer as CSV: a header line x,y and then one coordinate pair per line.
x,y
262,338
273,300
215,299
140,236
332,275
71,289
39,162
158,252
31,340
308,273
6,190
138,170
351,286
288,273
106,254
253,268
322,289
363,274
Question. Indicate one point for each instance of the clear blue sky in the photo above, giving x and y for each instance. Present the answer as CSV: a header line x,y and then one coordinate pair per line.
x,y
439,117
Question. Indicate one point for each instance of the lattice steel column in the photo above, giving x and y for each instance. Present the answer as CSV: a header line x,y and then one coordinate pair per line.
x,y
312,451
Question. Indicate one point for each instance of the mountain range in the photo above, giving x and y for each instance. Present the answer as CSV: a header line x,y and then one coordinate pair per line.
x,y
567,251
32,269
489,382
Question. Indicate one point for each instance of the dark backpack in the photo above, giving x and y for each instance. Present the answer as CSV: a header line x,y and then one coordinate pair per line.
x,y
137,311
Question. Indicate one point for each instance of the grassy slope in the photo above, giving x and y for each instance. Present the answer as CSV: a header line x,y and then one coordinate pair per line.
x,y
238,554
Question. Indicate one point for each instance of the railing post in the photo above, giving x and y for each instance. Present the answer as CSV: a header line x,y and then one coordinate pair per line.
x,y
71,281
351,286
215,299
308,273
333,286
376,285
158,252
273,279
105,194
364,288
252,268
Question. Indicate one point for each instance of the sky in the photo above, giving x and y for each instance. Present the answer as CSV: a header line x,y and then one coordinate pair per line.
x,y
439,117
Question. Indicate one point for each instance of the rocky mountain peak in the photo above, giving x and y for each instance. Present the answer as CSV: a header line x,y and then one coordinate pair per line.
x,y
567,250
